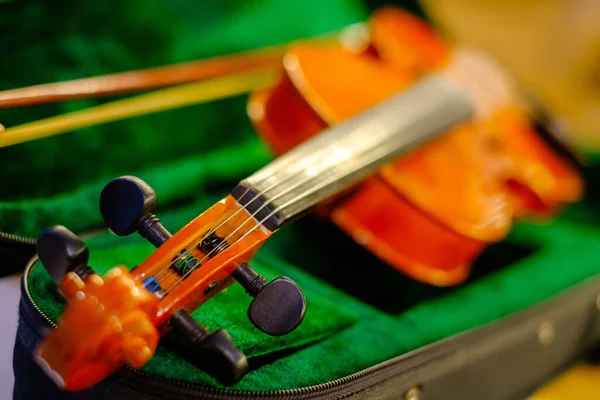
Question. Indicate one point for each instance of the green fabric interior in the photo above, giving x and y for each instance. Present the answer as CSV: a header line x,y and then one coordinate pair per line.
x,y
367,313
360,312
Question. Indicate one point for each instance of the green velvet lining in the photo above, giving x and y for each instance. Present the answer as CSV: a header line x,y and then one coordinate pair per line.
x,y
341,334
79,209
43,42
226,310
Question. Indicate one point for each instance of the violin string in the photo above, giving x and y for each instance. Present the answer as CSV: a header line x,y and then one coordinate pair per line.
x,y
210,232
259,194
366,152
294,174
349,143
259,223
243,208
374,143
297,155
278,209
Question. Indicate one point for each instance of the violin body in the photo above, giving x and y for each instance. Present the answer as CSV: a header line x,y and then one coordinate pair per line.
x,y
431,213
536,166
377,214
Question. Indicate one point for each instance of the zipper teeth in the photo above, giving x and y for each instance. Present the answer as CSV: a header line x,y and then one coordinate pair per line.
x,y
300,393
14,239
176,387
26,273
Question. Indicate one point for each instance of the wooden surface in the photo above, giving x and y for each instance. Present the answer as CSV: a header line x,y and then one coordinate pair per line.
x,y
581,382
552,46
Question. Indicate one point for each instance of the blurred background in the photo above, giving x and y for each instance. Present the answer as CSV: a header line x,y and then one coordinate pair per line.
x,y
551,46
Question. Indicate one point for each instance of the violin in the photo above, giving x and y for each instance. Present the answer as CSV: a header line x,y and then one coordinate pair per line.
x,y
531,155
118,319
417,150
429,214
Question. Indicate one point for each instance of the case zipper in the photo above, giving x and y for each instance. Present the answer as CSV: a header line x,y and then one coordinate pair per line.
x,y
14,252
9,239
153,385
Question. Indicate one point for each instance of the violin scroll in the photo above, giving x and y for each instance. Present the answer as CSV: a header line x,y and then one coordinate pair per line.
x,y
106,325
107,322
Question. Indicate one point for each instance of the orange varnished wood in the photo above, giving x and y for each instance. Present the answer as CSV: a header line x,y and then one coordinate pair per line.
x,y
406,41
105,325
446,180
474,202
454,193
338,84
386,223
244,233
297,119
536,179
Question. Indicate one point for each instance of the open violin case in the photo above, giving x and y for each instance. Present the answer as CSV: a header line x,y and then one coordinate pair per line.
x,y
530,308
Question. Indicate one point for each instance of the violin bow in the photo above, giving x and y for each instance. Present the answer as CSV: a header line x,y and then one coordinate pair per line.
x,y
160,100
145,79
169,75
212,79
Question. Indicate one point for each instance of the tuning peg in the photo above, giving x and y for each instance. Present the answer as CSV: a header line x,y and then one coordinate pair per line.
x,y
214,353
61,251
126,204
278,307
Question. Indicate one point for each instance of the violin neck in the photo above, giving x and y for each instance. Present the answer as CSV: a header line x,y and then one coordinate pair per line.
x,y
350,151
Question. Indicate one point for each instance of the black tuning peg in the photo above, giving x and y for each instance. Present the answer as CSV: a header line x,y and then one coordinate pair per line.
x,y
61,251
126,204
214,353
278,306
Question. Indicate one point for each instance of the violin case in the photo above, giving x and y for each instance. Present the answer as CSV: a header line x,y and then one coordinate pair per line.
x,y
530,308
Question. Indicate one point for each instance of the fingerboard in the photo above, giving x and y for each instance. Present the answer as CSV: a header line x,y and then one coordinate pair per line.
x,y
350,151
